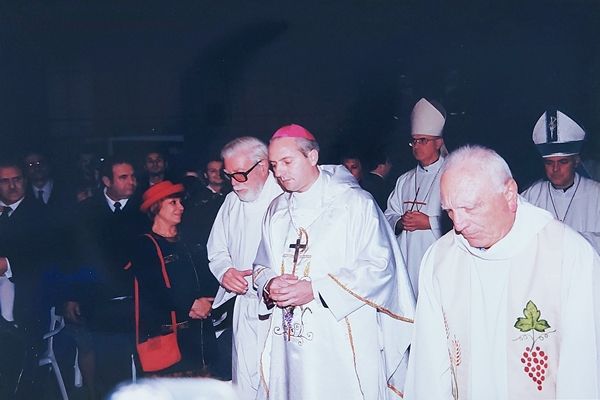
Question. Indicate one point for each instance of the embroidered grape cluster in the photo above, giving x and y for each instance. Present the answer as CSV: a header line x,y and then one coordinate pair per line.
x,y
534,359
535,363
288,317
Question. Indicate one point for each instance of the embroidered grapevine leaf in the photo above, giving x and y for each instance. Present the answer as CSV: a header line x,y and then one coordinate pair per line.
x,y
531,320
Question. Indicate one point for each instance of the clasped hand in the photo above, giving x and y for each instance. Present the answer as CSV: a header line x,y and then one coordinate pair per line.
x,y
201,308
3,265
415,221
287,290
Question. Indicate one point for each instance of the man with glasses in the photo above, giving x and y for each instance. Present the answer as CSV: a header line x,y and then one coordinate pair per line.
x,y
413,208
38,174
56,198
232,247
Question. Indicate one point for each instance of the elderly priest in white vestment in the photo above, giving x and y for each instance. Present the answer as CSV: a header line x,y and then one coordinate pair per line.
x,y
568,196
413,208
509,300
332,284
232,247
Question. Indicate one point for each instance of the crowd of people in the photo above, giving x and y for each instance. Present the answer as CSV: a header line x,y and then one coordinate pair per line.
x,y
297,280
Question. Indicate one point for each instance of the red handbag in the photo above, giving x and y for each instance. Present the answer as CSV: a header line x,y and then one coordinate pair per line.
x,y
158,352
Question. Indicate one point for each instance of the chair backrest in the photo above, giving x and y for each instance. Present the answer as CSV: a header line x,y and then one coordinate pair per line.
x,y
57,323
55,319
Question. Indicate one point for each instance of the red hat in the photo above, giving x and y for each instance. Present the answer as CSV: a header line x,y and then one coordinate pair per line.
x,y
293,130
159,191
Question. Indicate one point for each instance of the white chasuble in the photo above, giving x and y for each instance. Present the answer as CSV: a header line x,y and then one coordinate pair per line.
x,y
350,340
417,190
517,321
578,206
233,242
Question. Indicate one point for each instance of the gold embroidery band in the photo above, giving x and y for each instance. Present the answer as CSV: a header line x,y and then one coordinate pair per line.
x,y
393,389
369,302
354,355
260,271
261,366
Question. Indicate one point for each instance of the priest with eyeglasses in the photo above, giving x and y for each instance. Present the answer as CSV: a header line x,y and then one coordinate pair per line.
x,y
232,247
413,208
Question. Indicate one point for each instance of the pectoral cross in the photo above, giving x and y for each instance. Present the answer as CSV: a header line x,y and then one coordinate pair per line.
x,y
414,203
299,247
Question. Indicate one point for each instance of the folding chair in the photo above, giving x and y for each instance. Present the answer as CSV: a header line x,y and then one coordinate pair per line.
x,y
57,323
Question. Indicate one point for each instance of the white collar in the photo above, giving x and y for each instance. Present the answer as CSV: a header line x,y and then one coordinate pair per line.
x,y
46,187
12,206
111,202
214,191
434,166
529,220
311,198
570,189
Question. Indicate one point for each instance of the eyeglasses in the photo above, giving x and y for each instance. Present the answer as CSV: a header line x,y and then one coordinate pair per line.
x,y
420,141
241,176
35,164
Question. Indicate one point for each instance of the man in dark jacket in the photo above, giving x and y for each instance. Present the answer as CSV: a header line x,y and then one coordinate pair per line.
x,y
106,224
375,181
22,233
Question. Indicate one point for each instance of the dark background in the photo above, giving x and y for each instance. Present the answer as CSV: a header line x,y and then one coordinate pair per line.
x,y
349,71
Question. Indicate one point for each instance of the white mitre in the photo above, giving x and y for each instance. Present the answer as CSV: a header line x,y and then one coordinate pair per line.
x,y
427,119
555,134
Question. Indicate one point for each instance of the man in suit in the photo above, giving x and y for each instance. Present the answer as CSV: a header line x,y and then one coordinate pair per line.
x,y
155,167
198,218
42,185
100,311
375,181
21,252
55,197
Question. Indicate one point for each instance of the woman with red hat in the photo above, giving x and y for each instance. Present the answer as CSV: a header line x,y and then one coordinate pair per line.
x,y
173,294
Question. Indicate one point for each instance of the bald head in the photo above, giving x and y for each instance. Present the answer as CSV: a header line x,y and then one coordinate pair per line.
x,y
479,194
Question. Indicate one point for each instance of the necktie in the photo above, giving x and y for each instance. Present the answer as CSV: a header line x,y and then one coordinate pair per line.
x,y
41,196
117,207
5,211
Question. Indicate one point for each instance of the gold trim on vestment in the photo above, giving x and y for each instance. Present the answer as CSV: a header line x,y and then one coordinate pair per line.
x,y
370,303
260,271
262,374
393,389
354,355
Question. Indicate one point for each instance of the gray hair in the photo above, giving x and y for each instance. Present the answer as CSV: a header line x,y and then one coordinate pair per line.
x,y
256,148
304,145
483,161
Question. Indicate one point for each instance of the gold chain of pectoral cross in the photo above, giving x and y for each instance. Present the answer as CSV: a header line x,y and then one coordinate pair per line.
x,y
568,206
305,273
419,204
